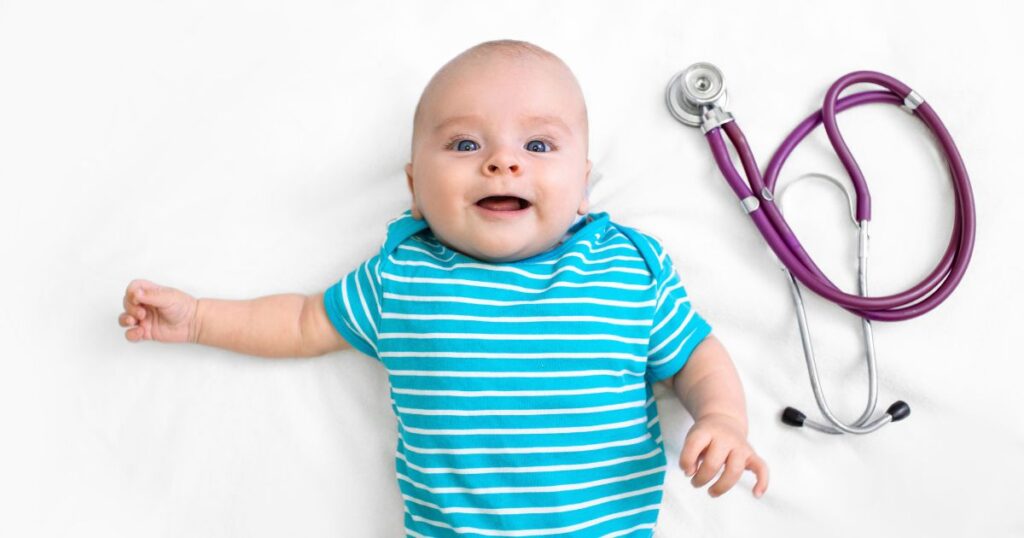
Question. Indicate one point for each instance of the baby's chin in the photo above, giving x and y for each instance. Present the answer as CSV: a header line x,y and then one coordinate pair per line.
x,y
497,251
500,255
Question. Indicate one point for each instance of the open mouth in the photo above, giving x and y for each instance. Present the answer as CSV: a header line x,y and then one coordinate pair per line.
x,y
503,203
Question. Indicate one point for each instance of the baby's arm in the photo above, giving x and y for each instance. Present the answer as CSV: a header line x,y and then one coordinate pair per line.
x,y
286,325
710,389
709,385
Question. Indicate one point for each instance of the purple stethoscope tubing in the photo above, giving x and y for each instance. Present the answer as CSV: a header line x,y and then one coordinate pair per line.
x,y
696,97
900,306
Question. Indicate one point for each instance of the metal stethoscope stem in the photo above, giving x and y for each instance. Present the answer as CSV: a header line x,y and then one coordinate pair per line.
x,y
696,96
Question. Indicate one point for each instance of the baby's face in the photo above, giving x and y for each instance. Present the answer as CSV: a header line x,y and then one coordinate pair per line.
x,y
501,127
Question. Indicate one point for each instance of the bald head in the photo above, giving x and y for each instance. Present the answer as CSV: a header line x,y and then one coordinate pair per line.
x,y
520,52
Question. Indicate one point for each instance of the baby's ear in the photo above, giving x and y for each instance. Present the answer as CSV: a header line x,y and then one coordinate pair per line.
x,y
585,203
408,177
584,206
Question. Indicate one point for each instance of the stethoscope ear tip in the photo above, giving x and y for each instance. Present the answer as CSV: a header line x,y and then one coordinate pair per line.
x,y
899,410
793,417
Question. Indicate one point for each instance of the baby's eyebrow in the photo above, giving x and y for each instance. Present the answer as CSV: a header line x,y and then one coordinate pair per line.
x,y
527,120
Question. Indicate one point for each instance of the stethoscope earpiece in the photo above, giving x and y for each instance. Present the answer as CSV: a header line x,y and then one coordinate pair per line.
x,y
898,411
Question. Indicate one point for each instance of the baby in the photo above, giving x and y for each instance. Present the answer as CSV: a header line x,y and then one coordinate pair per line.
x,y
522,334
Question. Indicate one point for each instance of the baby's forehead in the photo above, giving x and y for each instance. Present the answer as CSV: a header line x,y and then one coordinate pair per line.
x,y
563,126
562,99
546,93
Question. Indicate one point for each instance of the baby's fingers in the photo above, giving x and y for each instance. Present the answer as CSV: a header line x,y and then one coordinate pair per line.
x,y
136,313
133,313
132,303
131,292
760,469
136,332
733,470
711,463
126,320
695,443
157,296
141,292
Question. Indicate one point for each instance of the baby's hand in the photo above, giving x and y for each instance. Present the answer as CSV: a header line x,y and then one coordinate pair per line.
x,y
158,313
719,439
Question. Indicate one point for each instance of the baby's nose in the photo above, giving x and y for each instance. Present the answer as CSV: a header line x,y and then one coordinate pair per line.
x,y
494,168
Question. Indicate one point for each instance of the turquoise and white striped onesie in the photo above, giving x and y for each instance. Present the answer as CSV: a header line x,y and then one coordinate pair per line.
x,y
523,389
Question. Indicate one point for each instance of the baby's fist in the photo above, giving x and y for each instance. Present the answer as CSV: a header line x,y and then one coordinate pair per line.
x,y
154,312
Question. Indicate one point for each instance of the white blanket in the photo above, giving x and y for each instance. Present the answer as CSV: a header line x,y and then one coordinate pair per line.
x,y
246,149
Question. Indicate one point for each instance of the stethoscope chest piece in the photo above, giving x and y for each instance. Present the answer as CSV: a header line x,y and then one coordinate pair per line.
x,y
694,90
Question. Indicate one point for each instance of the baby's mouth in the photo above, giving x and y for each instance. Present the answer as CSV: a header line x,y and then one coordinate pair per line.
x,y
503,203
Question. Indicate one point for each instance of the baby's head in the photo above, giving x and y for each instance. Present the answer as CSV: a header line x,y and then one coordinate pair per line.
x,y
504,118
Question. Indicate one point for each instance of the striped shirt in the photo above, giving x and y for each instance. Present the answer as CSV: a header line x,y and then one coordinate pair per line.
x,y
523,389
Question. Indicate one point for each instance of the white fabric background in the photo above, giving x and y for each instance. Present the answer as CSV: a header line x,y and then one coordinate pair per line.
x,y
242,149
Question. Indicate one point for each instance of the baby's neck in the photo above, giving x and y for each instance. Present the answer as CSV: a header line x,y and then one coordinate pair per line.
x,y
572,228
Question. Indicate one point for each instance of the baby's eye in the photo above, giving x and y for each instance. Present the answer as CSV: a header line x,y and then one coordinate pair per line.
x,y
461,145
537,145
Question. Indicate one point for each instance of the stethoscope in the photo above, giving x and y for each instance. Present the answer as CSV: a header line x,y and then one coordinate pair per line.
x,y
696,96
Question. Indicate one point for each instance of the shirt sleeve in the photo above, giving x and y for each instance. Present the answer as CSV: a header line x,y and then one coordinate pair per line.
x,y
677,328
353,306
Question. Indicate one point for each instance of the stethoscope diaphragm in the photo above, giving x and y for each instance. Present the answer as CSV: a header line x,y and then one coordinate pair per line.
x,y
694,90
